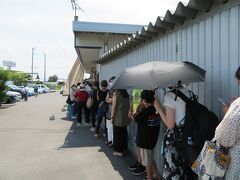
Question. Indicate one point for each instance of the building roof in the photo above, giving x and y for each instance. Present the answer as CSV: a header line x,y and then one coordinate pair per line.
x,y
184,10
95,27
92,39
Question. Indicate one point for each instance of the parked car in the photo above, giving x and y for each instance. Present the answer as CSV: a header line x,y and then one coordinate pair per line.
x,y
13,96
35,88
17,89
44,88
40,89
30,91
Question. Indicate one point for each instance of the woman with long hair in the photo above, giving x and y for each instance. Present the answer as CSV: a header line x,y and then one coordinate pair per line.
x,y
173,116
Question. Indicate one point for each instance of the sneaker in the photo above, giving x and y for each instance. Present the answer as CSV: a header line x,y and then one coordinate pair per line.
x,y
104,135
92,129
107,142
134,166
139,171
79,124
73,117
117,154
96,136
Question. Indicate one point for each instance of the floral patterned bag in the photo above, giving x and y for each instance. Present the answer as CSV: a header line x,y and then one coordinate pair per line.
x,y
212,162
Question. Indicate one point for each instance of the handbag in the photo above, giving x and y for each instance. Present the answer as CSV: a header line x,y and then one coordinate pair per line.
x,y
69,101
212,162
89,102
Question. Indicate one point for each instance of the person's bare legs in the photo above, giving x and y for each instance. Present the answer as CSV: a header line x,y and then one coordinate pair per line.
x,y
149,172
139,155
155,171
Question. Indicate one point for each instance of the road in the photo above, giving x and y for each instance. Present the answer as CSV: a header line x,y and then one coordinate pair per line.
x,y
34,148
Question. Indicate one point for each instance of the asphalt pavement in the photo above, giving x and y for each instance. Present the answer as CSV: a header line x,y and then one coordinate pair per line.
x,y
32,147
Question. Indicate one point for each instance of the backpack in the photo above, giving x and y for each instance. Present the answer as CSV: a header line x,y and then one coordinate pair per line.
x,y
199,126
82,96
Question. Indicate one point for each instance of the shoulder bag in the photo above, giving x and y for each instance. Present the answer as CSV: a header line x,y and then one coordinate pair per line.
x,y
212,162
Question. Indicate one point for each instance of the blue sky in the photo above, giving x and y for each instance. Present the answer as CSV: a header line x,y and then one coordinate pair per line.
x,y
47,25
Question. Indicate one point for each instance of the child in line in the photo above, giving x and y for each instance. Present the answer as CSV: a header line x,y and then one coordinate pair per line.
x,y
147,133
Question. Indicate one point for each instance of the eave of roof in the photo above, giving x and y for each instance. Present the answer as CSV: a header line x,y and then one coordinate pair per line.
x,y
168,22
96,27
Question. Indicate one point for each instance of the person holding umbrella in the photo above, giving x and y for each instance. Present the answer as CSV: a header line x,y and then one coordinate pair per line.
x,y
163,74
174,116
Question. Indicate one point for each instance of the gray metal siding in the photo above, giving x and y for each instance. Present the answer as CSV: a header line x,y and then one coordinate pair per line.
x,y
87,39
98,40
212,43
114,39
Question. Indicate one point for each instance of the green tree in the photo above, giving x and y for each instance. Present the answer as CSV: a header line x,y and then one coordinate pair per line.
x,y
4,76
28,77
53,78
19,78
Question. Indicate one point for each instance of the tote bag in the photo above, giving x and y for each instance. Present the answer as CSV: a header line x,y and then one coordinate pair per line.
x,y
212,162
89,102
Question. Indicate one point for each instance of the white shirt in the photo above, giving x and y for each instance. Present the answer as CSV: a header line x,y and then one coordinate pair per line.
x,y
179,105
88,89
72,93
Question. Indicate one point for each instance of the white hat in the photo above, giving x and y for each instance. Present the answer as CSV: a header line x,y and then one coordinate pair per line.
x,y
82,85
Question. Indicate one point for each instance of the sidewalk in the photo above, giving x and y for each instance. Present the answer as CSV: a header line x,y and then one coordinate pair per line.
x,y
35,148
81,137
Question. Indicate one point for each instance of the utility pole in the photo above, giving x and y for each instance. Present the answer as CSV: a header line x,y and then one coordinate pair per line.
x,y
32,63
44,67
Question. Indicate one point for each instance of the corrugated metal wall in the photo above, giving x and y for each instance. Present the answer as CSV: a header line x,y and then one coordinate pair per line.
x,y
98,40
212,43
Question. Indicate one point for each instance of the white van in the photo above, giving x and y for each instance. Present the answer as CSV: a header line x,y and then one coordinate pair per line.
x,y
43,89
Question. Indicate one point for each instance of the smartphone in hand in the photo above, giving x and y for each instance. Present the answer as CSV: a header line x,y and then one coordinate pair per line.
x,y
222,101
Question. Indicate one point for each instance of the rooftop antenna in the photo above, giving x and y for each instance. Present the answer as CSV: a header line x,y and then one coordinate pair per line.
x,y
76,7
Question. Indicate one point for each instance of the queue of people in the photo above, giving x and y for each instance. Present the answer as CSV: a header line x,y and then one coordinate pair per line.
x,y
144,109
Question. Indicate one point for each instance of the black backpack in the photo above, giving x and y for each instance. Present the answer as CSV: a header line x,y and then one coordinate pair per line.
x,y
199,126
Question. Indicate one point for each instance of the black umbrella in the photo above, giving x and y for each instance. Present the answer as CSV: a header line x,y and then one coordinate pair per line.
x,y
159,74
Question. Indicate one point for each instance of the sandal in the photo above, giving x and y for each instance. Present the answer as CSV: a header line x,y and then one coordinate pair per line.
x,y
118,154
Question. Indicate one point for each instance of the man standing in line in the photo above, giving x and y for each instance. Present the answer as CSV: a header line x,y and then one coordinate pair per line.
x,y
81,98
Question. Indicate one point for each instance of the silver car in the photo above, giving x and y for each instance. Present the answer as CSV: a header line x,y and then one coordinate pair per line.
x,y
13,95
